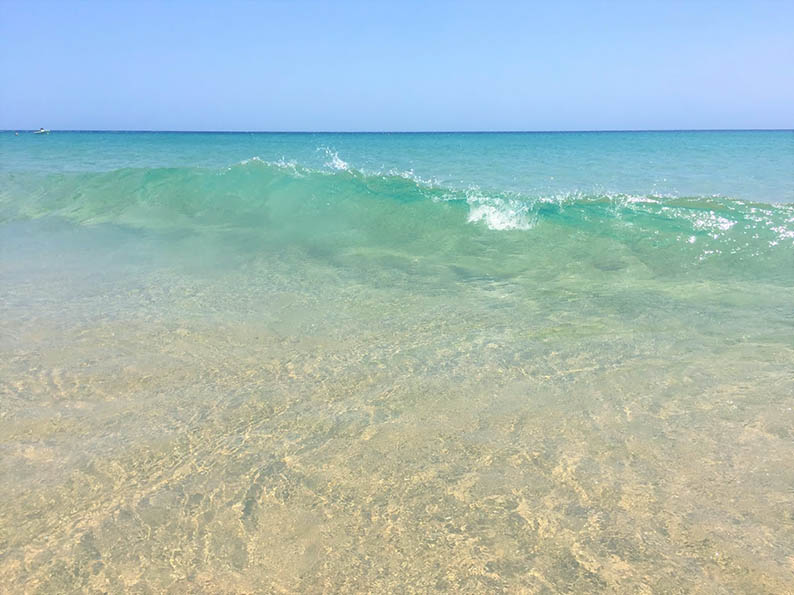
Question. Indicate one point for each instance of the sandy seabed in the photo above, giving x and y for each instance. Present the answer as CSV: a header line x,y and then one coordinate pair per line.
x,y
289,426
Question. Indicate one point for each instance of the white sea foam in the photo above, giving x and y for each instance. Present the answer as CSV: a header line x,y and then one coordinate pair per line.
x,y
410,175
499,213
334,161
289,165
712,222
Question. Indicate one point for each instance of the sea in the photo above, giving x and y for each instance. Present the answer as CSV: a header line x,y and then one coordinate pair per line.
x,y
397,362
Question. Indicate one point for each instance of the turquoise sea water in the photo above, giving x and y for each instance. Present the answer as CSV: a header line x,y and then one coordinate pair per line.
x,y
541,362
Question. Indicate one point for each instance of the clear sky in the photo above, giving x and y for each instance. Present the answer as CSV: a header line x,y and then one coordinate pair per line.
x,y
341,65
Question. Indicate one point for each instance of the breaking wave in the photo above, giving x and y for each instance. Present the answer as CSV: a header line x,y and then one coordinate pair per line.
x,y
286,198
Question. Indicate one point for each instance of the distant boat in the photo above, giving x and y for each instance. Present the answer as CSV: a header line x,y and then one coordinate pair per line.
x,y
41,131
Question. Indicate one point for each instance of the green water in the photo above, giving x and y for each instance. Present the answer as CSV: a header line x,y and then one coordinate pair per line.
x,y
372,363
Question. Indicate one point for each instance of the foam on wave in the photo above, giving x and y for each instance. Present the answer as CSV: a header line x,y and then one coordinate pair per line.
x,y
251,191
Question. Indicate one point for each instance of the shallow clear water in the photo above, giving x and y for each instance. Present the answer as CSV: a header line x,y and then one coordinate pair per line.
x,y
454,362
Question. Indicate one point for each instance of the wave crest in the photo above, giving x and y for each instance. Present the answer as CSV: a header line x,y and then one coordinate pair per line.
x,y
285,195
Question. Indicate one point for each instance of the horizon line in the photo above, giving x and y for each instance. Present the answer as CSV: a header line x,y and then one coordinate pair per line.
x,y
617,130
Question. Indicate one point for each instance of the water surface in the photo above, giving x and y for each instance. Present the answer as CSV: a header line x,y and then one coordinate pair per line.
x,y
434,362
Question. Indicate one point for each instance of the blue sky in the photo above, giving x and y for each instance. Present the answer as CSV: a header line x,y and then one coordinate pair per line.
x,y
341,65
